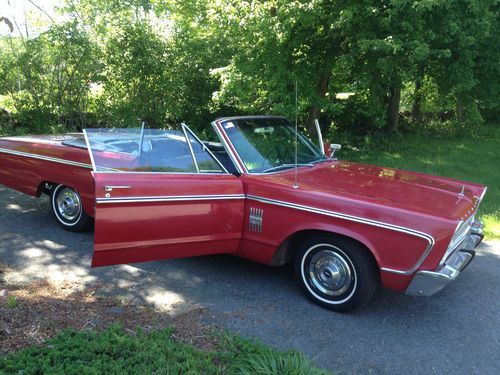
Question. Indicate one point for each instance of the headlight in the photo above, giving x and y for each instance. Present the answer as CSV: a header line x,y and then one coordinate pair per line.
x,y
461,232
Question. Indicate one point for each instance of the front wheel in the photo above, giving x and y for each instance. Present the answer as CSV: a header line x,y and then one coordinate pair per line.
x,y
67,208
336,272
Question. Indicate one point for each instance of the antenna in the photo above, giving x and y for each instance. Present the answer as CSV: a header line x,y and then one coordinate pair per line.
x,y
296,182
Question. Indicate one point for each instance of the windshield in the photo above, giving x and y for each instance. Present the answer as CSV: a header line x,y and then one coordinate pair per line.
x,y
268,144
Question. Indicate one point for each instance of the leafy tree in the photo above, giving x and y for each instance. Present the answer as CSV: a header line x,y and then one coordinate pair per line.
x,y
158,58
381,45
135,83
52,75
487,67
277,43
171,61
280,42
456,39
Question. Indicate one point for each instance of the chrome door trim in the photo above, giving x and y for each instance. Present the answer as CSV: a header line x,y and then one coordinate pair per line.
x,y
170,198
361,220
116,171
46,158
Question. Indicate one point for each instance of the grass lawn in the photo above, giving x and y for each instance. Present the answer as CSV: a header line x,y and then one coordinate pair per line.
x,y
470,158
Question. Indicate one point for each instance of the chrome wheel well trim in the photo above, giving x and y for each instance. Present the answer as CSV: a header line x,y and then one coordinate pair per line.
x,y
47,158
361,220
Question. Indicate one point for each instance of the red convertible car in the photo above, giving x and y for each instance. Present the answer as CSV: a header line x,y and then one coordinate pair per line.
x,y
263,192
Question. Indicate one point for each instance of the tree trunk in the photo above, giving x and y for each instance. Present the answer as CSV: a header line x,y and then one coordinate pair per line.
x,y
393,108
312,114
459,109
416,111
314,110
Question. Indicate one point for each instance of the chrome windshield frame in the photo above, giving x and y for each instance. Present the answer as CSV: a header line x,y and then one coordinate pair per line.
x,y
234,155
238,164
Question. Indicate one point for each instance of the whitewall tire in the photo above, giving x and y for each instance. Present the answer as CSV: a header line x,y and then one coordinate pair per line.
x,y
67,208
336,272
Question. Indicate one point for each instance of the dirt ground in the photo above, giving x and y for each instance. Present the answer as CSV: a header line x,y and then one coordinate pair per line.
x,y
37,311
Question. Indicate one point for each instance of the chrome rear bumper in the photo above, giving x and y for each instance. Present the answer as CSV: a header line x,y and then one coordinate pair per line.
x,y
427,283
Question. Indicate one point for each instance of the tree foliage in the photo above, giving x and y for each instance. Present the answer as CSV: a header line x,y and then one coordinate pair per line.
x,y
48,78
115,63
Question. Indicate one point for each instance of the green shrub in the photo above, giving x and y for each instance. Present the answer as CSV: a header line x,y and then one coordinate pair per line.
x,y
114,351
273,363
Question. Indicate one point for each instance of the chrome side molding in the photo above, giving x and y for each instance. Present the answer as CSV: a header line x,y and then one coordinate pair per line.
x,y
47,158
168,198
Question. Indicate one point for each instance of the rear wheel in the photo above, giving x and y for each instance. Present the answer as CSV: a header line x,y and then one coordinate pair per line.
x,y
67,207
336,272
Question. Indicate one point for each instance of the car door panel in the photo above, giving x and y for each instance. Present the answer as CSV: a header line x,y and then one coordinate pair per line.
x,y
152,216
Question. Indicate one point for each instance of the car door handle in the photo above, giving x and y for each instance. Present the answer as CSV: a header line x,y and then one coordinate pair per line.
x,y
110,188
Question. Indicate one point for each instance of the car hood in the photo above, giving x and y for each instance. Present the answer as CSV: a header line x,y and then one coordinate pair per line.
x,y
416,192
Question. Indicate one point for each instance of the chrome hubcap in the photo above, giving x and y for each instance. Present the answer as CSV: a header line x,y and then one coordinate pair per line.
x,y
330,273
68,204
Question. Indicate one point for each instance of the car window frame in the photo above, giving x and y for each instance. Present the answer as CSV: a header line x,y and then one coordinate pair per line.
x,y
223,171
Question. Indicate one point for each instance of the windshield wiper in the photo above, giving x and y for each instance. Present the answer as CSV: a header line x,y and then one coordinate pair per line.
x,y
320,160
282,166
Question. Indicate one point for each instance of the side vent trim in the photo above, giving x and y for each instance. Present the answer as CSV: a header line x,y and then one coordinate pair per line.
x,y
255,219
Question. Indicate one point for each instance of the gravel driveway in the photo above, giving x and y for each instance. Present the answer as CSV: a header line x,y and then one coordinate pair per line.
x,y
454,332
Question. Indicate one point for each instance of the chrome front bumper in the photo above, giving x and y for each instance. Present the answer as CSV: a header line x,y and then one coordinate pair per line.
x,y
427,283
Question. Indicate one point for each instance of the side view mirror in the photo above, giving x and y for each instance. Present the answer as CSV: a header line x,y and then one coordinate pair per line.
x,y
326,147
334,147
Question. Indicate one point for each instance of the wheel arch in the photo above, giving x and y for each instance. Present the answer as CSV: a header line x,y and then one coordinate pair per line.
x,y
45,187
287,249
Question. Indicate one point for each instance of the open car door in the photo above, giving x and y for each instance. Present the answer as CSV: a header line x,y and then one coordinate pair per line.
x,y
160,194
